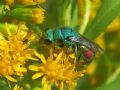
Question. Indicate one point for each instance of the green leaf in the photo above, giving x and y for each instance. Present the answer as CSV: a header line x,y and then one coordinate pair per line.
x,y
74,15
59,13
65,13
115,85
109,10
52,13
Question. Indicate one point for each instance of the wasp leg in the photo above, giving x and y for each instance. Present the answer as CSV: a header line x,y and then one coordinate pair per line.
x,y
79,56
69,49
75,61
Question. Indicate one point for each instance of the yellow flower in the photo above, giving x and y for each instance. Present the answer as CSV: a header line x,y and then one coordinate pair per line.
x,y
58,70
13,54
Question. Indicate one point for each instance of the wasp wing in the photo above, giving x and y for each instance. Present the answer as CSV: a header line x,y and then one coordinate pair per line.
x,y
89,44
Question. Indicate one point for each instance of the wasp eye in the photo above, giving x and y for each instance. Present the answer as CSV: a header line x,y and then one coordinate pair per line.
x,y
47,42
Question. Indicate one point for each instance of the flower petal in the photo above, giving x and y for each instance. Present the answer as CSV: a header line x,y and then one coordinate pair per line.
x,y
33,68
44,80
59,57
37,75
41,57
8,30
55,55
32,58
51,54
16,87
47,86
20,69
10,78
72,55
42,68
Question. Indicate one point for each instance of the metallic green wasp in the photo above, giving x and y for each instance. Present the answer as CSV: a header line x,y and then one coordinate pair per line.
x,y
70,38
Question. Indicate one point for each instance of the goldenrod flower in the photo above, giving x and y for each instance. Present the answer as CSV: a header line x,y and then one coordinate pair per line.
x,y
56,69
13,54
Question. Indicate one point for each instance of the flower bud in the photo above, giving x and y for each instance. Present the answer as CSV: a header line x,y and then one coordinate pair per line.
x,y
35,15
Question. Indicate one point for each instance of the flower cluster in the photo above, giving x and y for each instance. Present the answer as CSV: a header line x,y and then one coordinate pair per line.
x,y
58,69
13,54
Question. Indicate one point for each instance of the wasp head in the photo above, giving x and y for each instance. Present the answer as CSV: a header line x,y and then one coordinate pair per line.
x,y
48,36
